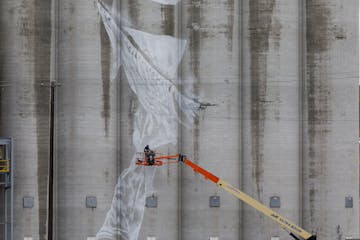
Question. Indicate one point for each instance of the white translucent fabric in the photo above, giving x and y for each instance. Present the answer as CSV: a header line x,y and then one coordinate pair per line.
x,y
150,64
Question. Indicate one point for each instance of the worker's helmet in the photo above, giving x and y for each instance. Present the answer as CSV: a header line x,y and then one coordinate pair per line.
x,y
147,148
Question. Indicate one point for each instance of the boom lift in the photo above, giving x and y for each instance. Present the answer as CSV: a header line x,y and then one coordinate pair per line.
x,y
149,159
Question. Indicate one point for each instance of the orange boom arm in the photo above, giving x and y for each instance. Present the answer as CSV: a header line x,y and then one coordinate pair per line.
x,y
294,230
202,171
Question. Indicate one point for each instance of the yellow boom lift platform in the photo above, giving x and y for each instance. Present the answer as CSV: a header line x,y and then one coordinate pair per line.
x,y
295,231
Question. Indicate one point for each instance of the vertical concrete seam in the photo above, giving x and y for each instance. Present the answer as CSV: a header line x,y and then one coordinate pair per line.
x,y
242,110
179,31
118,142
118,136
302,71
358,47
51,164
55,48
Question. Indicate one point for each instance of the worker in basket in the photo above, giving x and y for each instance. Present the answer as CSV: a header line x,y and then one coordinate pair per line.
x,y
149,155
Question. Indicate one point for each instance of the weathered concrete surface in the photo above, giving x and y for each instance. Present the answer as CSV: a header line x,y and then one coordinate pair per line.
x,y
161,222
283,120
86,126
270,133
213,59
330,122
25,28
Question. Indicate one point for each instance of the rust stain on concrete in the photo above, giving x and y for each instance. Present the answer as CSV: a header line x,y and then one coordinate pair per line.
x,y
134,11
105,75
168,19
195,48
230,6
318,89
260,26
318,95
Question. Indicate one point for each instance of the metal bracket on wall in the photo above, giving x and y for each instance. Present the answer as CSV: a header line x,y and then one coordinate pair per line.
x,y
91,202
214,201
151,202
275,202
349,202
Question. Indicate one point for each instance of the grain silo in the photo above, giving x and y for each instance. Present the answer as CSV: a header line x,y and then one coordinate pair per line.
x,y
273,86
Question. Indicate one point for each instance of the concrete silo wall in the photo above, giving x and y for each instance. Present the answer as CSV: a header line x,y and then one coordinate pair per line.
x,y
330,98
271,111
153,18
213,60
86,121
25,43
277,82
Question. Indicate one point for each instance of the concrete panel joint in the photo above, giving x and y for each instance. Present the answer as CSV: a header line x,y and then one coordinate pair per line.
x,y
28,202
91,202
